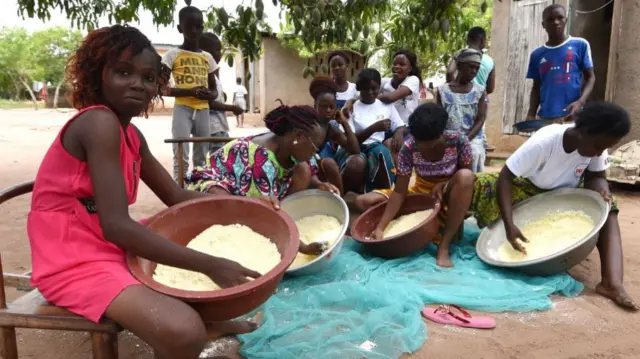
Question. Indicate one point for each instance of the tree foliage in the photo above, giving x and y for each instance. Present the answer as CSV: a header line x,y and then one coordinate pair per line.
x,y
40,56
363,25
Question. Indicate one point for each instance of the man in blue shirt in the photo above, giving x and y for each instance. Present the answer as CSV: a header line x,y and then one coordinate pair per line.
x,y
561,70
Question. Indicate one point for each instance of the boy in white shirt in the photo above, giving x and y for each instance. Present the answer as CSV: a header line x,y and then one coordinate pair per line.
x,y
562,156
370,120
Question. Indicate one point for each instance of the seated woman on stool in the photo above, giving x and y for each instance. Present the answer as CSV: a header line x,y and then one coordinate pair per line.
x,y
442,162
269,166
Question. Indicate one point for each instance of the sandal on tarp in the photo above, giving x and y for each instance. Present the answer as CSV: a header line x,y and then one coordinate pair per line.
x,y
444,315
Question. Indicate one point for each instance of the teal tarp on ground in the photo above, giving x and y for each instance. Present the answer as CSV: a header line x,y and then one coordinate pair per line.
x,y
366,307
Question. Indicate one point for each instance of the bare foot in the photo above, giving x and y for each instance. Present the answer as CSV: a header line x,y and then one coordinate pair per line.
x,y
232,327
443,259
619,295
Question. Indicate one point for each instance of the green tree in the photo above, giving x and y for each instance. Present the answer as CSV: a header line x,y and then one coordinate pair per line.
x,y
319,23
53,48
17,59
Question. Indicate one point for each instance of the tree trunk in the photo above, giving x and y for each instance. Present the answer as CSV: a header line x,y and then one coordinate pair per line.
x,y
33,96
57,93
15,83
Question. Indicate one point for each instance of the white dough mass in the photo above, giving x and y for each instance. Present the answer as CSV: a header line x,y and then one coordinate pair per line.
x,y
406,223
318,228
234,242
549,234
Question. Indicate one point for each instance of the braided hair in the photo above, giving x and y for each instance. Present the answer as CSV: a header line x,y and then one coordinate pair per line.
x,y
285,119
99,48
321,85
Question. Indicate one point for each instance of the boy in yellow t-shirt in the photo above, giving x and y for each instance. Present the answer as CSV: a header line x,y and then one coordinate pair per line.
x,y
193,86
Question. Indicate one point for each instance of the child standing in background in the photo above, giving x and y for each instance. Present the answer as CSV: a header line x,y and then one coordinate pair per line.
x,y
218,108
79,226
194,86
240,100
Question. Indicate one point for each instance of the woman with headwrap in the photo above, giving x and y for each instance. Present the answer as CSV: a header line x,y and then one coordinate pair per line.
x,y
466,104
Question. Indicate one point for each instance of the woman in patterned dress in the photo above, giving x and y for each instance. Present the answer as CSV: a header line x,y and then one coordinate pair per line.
x,y
269,166
442,162
466,104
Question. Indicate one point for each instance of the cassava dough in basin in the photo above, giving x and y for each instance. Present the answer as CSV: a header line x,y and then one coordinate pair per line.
x,y
547,235
318,228
235,242
406,223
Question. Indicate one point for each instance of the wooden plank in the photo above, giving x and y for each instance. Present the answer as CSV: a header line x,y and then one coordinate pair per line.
x,y
612,69
33,311
18,281
200,139
104,345
525,34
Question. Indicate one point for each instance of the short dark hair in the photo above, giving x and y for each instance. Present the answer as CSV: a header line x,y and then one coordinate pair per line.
x,y
338,53
603,119
366,76
428,122
285,119
238,80
551,8
186,11
476,34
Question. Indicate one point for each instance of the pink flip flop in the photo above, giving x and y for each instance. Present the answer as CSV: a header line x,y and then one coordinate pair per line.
x,y
444,315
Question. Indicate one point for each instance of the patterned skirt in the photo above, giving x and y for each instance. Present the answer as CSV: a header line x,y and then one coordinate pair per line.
x,y
484,204
378,158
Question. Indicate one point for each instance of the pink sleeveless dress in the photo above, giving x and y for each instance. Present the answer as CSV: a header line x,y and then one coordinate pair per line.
x,y
74,267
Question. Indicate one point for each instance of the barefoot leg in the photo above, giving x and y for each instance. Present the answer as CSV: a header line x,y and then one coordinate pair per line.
x,y
353,173
331,173
171,327
368,200
611,260
458,199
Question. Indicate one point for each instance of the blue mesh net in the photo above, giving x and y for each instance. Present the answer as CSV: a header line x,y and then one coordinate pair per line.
x,y
364,306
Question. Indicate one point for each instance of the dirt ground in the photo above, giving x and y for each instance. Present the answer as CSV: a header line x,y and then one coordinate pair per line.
x,y
584,327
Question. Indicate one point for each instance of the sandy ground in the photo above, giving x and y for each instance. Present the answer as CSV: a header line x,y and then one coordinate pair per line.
x,y
585,327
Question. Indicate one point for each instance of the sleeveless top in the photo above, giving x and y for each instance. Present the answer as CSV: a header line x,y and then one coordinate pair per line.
x,y
462,108
63,226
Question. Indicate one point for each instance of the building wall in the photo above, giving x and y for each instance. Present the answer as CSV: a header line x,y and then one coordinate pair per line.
x,y
283,77
627,78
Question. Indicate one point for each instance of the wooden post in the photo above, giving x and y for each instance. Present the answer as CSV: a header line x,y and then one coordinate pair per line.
x,y
104,345
180,165
616,29
8,343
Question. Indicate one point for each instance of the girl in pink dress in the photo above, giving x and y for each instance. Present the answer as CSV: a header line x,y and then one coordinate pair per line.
x,y
79,225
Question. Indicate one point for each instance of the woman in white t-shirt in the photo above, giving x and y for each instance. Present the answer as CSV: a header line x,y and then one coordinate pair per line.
x,y
339,65
403,89
240,100
562,156
370,120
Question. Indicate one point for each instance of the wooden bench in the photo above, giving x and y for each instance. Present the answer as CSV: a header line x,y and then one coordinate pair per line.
x,y
179,141
32,311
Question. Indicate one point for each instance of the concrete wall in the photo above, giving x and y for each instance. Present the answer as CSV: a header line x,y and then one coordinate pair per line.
x,y
627,78
283,77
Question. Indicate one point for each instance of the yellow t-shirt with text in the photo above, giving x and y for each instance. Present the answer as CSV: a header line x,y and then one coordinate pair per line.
x,y
188,70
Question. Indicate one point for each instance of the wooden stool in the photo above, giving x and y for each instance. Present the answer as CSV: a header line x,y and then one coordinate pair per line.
x,y
33,312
